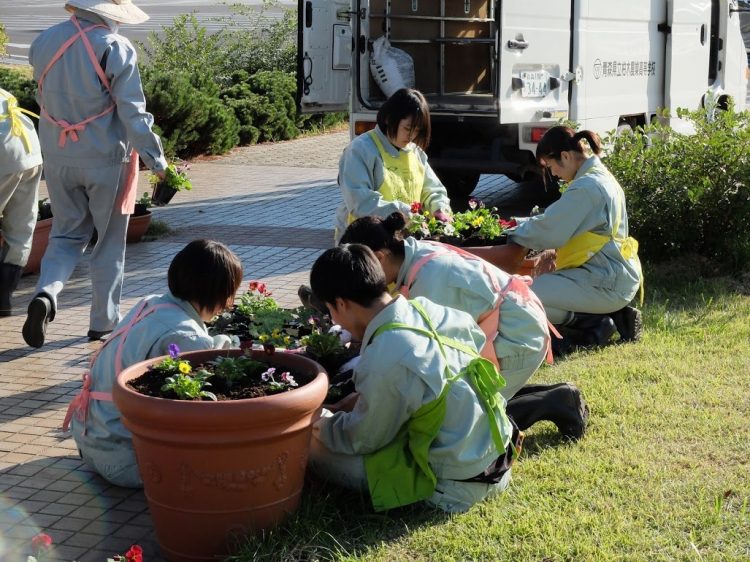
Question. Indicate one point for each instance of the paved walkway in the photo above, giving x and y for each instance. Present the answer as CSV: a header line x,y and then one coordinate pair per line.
x,y
273,205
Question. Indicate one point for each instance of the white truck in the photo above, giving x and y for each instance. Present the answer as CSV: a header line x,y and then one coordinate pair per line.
x,y
497,74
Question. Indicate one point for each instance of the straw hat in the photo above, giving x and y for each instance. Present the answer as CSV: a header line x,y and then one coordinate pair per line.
x,y
123,11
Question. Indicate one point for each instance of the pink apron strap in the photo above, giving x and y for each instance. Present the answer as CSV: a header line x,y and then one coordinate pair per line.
x,y
79,406
129,192
72,129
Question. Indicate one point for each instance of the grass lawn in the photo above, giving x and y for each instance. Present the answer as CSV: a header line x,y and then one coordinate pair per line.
x,y
662,474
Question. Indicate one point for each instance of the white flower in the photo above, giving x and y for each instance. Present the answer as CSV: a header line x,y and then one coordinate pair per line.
x,y
449,230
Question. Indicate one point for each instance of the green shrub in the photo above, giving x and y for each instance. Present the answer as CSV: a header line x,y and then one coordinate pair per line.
x,y
210,92
190,119
689,193
264,104
23,88
271,45
188,48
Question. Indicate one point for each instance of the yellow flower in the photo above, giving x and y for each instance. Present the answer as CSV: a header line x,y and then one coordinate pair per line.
x,y
287,340
276,333
184,367
263,338
477,222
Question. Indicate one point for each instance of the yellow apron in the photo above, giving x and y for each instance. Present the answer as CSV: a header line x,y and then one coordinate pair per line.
x,y
403,176
17,127
580,249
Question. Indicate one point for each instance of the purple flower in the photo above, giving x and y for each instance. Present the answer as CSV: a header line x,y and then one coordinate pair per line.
x,y
174,350
268,375
473,203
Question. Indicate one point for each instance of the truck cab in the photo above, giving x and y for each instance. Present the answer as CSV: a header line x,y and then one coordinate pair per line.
x,y
497,74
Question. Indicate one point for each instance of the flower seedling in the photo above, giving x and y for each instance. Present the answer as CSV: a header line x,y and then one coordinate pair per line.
x,y
257,298
189,386
285,381
176,177
234,369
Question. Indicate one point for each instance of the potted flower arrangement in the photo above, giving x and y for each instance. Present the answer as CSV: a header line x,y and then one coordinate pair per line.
x,y
176,180
140,219
222,439
258,322
477,226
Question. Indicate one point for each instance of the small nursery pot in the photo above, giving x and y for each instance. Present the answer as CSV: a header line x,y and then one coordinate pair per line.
x,y
162,194
215,471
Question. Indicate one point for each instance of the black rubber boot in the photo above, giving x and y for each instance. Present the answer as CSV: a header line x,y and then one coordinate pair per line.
x,y
590,330
629,323
309,300
41,312
9,276
562,404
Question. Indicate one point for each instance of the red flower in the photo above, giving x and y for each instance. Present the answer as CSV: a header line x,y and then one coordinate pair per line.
x,y
135,554
508,224
416,207
262,288
253,285
40,543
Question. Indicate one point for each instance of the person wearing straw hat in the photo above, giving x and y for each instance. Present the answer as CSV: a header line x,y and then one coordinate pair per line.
x,y
93,127
20,172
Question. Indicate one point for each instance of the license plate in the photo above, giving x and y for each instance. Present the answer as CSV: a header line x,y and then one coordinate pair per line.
x,y
535,84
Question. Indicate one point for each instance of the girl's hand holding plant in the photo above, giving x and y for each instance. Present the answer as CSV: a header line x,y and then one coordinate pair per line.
x,y
443,216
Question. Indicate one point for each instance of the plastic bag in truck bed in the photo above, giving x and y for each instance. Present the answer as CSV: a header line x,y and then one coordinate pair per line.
x,y
391,68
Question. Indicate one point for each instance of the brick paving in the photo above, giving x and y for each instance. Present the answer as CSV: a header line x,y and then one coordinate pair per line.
x,y
273,205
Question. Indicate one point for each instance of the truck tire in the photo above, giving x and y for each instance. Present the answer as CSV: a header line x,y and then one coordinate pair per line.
x,y
458,184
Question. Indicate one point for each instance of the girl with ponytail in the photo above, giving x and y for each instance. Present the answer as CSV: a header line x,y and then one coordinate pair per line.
x,y
598,271
506,310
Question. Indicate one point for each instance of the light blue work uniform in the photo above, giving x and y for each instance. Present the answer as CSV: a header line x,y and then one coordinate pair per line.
x,y
399,371
607,281
86,179
361,176
457,282
20,172
106,445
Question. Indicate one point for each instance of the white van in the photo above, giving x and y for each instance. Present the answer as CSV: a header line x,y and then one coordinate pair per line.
x,y
498,74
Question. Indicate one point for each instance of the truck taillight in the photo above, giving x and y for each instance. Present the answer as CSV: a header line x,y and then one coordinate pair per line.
x,y
536,134
361,127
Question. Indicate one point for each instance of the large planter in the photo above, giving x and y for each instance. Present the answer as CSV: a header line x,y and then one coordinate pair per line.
x,y
137,226
213,471
38,245
162,194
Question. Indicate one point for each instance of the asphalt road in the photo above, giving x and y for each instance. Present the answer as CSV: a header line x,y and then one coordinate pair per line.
x,y
24,19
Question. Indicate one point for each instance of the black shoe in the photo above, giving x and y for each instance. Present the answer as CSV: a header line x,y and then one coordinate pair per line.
x,y
39,315
629,323
9,276
94,335
571,421
562,404
309,300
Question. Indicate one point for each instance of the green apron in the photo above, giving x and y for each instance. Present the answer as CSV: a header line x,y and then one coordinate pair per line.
x,y
399,473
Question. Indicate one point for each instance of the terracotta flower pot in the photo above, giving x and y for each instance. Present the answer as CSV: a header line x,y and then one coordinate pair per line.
x,y
38,245
213,471
137,226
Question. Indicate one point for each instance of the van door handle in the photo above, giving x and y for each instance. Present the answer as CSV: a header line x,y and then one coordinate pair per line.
x,y
518,44
703,34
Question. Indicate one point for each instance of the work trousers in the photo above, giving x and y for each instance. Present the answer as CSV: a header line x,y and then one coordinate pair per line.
x,y
19,192
84,199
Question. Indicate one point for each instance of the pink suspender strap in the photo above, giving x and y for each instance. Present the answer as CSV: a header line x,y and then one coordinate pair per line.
x,y
79,406
68,129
